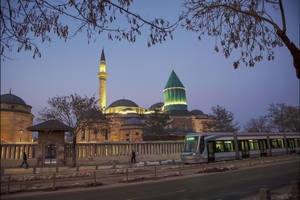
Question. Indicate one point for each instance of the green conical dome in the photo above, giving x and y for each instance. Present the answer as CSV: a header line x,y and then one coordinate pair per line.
x,y
174,94
173,81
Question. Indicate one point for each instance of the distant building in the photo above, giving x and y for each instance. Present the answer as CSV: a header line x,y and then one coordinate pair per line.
x,y
15,117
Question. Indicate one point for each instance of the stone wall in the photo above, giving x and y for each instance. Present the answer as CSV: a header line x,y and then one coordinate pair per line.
x,y
181,123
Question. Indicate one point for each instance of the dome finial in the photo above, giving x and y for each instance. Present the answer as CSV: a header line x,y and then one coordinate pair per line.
x,y
9,90
172,67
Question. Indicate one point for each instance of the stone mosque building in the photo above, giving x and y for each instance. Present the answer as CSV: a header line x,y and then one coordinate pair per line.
x,y
122,120
125,118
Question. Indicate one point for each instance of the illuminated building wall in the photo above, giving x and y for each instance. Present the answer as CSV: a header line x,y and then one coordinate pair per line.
x,y
174,94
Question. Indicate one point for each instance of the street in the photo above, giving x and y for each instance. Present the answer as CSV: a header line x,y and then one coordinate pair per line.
x,y
224,185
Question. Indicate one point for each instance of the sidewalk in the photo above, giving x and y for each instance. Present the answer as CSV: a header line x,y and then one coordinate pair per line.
x,y
20,180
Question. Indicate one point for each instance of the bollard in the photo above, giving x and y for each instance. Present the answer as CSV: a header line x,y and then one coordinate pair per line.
x,y
179,169
77,168
8,184
34,170
155,171
54,181
56,169
126,174
96,167
95,178
264,194
295,190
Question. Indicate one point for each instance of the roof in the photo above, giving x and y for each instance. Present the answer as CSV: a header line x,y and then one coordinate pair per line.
x,y
178,112
196,112
102,55
93,114
50,125
156,106
12,99
133,121
123,102
173,81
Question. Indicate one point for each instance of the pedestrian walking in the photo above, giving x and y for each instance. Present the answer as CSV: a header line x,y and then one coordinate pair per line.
x,y
133,157
24,160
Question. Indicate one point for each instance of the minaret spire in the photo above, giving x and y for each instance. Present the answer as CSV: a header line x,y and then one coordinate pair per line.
x,y
102,75
102,55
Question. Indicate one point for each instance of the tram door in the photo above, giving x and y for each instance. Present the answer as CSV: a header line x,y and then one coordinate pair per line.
x,y
211,151
291,145
262,147
245,148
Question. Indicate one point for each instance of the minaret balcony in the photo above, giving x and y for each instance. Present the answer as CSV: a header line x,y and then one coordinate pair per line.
x,y
102,75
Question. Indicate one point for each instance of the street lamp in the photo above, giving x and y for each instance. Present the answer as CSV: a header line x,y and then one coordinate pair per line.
x,y
21,132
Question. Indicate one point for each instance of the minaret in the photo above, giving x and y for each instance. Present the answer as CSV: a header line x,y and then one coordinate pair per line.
x,y
102,75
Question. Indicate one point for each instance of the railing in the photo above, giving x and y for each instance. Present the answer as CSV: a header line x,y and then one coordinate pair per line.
x,y
15,151
91,153
87,150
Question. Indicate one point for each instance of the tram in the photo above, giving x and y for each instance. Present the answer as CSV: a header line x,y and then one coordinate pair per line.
x,y
215,146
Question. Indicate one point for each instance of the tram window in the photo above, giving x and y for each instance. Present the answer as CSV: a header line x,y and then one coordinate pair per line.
x,y
274,144
254,145
298,142
219,146
191,144
228,146
280,143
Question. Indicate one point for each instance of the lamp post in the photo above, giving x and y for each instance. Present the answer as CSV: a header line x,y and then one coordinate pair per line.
x,y
21,132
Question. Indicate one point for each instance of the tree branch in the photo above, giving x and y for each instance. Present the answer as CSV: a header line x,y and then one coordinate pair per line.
x,y
282,17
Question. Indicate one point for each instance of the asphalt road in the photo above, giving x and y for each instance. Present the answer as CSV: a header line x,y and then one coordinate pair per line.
x,y
219,186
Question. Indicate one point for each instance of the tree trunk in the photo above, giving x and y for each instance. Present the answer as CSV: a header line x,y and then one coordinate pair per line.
x,y
74,155
293,50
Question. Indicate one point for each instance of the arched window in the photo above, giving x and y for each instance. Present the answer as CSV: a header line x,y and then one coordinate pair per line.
x,y
82,134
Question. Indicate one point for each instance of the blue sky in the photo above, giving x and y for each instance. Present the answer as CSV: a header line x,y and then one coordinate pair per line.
x,y
140,73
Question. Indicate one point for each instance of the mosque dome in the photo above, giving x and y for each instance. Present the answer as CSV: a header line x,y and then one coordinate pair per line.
x,y
123,102
12,99
174,94
196,112
156,106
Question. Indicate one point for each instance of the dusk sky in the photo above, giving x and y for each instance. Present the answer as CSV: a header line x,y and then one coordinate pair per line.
x,y
139,73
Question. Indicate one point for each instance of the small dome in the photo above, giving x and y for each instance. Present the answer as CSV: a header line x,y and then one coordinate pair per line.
x,y
93,114
123,102
156,106
196,112
133,121
13,99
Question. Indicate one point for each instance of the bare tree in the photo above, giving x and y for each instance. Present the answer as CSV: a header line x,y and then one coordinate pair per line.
x,y
24,21
284,118
157,122
258,125
224,121
240,24
71,111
